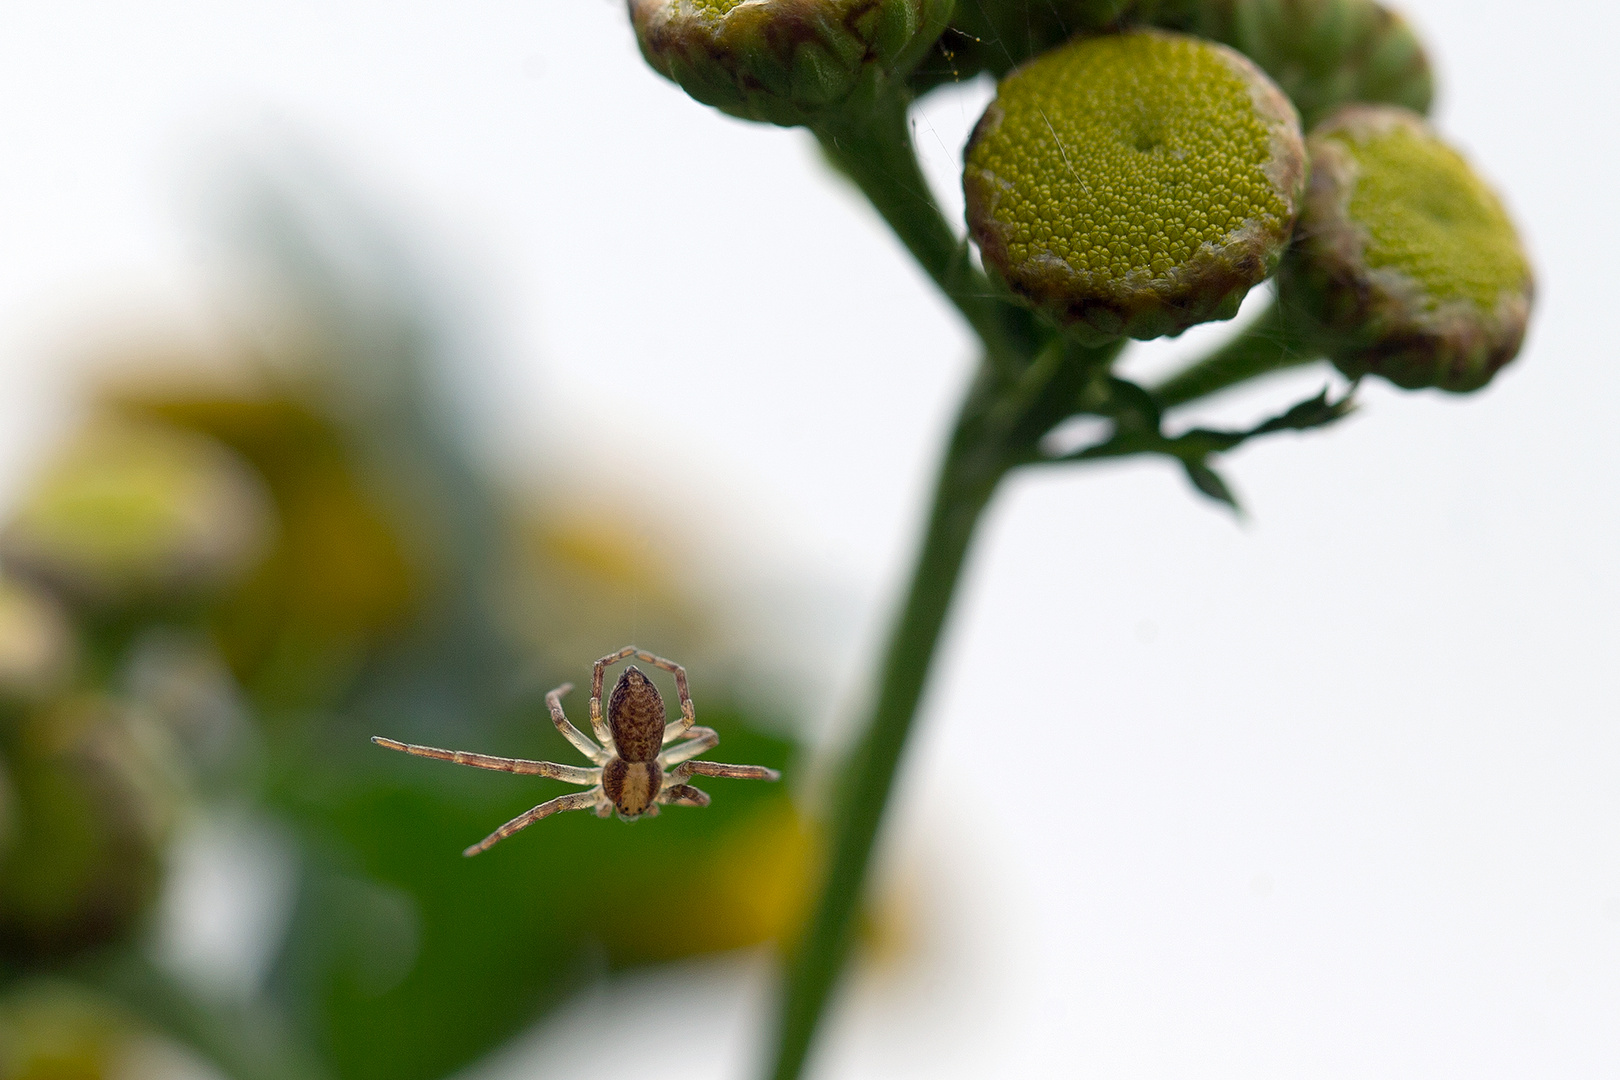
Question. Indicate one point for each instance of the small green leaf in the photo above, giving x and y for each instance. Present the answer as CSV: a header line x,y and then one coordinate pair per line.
x,y
1131,406
1209,483
1317,412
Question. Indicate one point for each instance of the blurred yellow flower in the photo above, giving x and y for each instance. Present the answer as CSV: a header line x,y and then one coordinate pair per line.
x,y
131,512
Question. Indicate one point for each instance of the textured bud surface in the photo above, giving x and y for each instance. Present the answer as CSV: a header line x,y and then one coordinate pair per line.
x,y
1135,184
1407,264
784,61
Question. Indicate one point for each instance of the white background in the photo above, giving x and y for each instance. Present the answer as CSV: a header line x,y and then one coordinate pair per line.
x,y
1331,793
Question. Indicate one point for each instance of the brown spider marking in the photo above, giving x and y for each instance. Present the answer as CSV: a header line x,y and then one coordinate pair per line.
x,y
632,772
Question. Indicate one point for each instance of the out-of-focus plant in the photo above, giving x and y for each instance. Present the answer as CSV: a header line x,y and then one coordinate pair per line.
x,y
37,647
219,588
94,804
1142,167
135,515
58,1032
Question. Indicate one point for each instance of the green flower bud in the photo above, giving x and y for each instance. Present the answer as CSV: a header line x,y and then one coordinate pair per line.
x,y
998,35
1323,53
139,512
784,61
1135,184
94,797
36,644
1406,265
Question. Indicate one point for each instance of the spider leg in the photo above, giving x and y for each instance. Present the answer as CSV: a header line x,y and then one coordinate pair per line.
x,y
715,768
603,735
688,712
672,730
682,795
702,739
573,774
679,729
579,800
581,741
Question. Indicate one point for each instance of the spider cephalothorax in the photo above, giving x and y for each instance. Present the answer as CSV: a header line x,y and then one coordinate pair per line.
x,y
633,773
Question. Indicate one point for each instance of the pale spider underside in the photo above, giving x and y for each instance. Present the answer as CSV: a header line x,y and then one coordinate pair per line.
x,y
633,773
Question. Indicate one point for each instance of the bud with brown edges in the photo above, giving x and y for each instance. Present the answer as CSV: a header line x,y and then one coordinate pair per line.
x,y
1406,264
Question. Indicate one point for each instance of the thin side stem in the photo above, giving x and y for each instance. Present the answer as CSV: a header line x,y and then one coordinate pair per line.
x,y
1267,345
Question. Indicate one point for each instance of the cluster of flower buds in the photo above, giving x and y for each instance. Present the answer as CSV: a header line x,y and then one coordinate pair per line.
x,y
1144,163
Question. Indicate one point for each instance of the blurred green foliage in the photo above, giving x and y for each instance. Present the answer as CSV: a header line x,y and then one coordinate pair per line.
x,y
217,594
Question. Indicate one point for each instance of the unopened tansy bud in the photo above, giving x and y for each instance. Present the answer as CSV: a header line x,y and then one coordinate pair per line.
x,y
1135,184
1406,264
998,35
1324,53
784,61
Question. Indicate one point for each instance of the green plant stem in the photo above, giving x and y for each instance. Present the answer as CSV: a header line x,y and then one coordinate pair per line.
x,y
872,146
1266,345
1030,381
1000,423
966,482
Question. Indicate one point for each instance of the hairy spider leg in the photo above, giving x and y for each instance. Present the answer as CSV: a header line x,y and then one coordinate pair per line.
x,y
579,800
581,741
572,774
682,795
598,725
672,730
702,739
715,768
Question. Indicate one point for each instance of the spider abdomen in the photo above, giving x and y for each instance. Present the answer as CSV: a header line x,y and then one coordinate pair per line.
x,y
635,716
631,785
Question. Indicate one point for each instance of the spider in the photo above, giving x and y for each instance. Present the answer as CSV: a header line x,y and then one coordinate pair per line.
x,y
633,773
